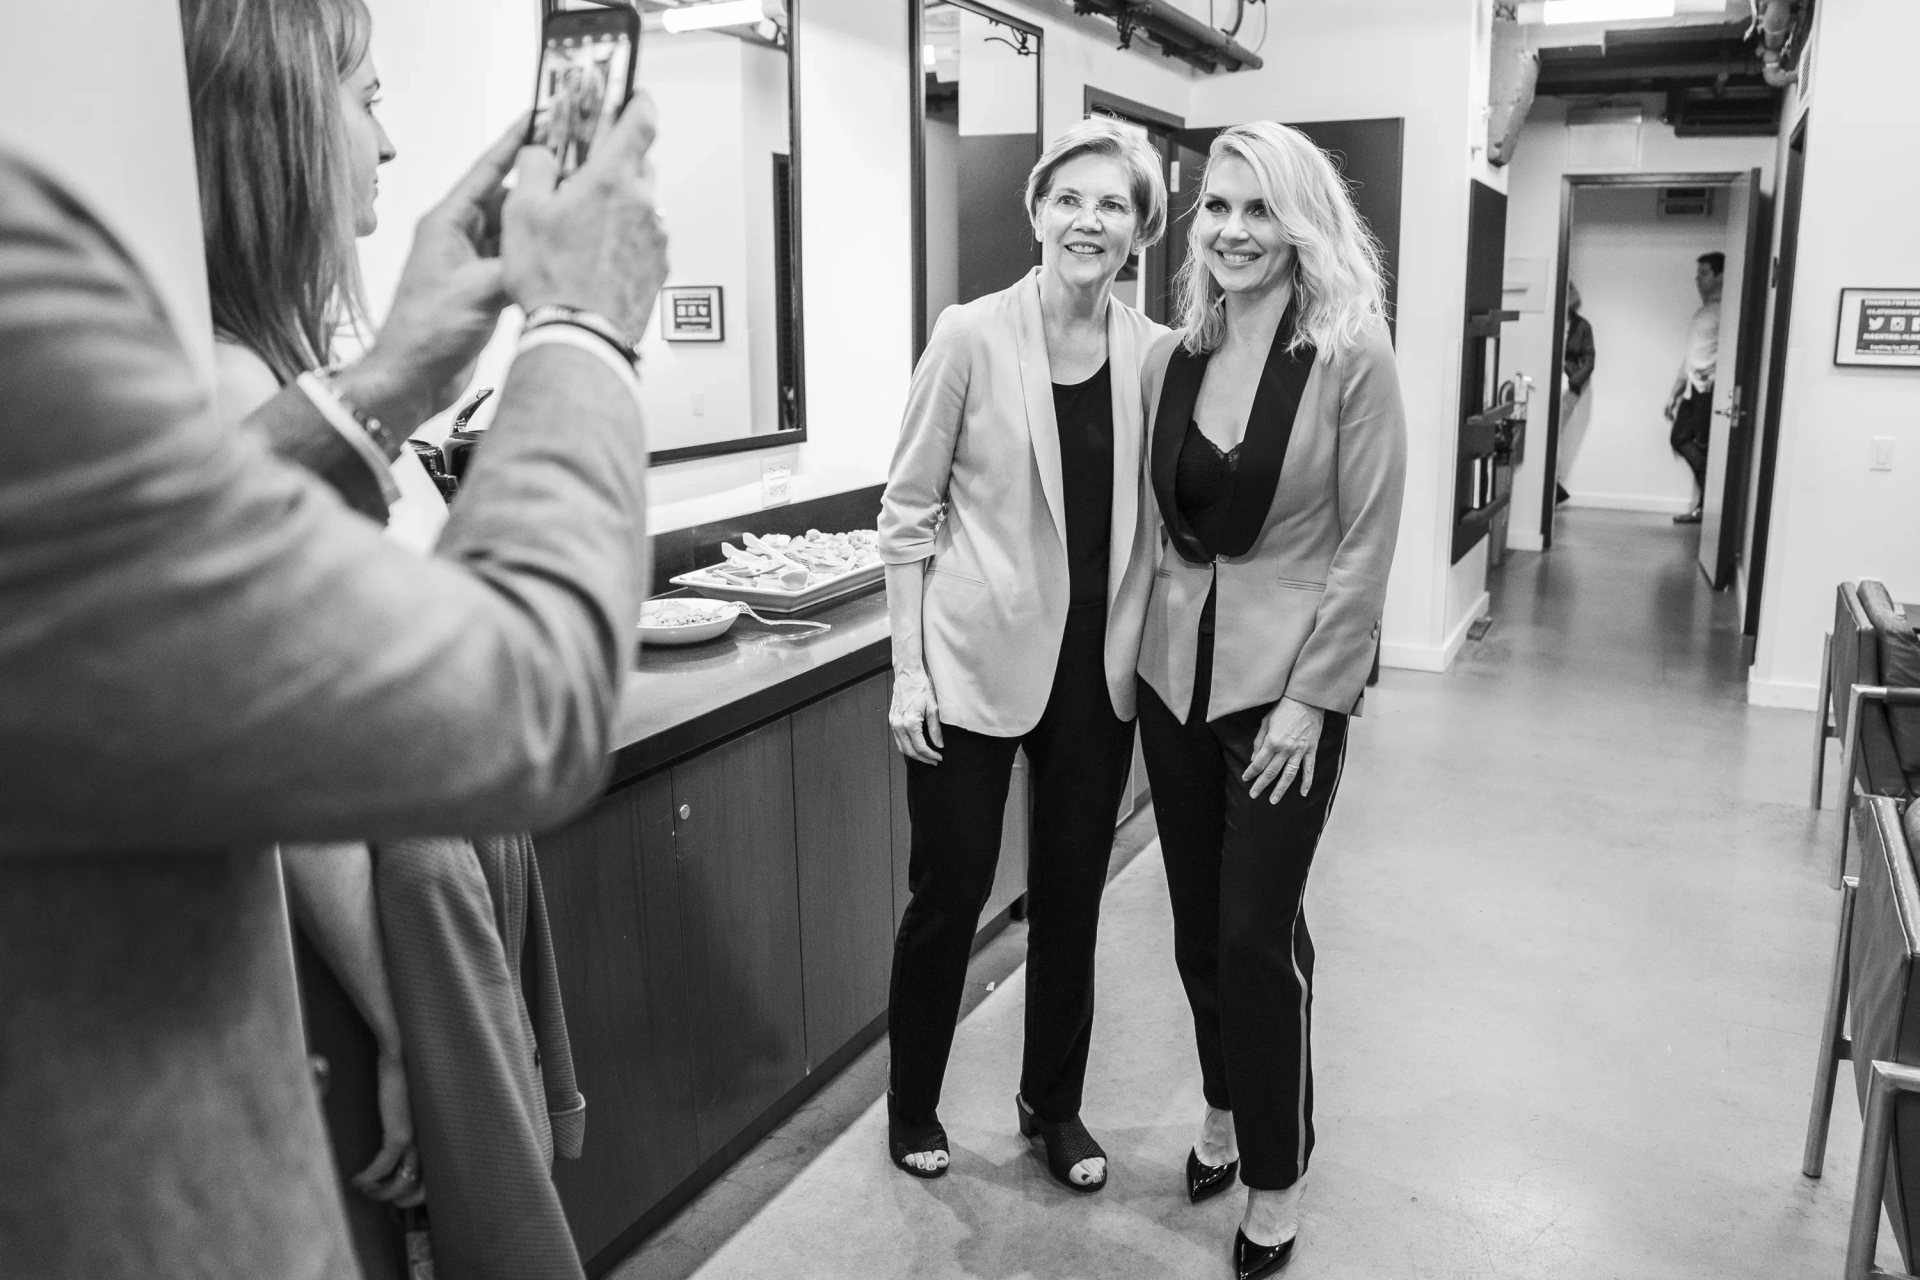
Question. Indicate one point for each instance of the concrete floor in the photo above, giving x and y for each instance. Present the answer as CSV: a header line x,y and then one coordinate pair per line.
x,y
1573,932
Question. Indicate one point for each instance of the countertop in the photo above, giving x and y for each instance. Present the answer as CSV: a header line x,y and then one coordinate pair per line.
x,y
682,700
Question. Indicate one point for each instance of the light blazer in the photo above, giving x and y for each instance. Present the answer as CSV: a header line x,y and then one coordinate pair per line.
x,y
1298,611
975,488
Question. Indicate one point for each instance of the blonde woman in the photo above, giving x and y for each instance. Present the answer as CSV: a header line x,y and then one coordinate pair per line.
x,y
1017,573
1277,456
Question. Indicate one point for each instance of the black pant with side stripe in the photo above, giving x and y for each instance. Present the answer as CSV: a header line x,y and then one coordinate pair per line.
x,y
1237,874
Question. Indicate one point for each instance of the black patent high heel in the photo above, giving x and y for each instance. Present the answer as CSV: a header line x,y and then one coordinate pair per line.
x,y
1205,1179
1256,1261
1067,1144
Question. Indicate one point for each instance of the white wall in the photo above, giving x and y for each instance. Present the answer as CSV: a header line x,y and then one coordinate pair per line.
x,y
1834,519
94,93
1349,59
1635,271
1533,232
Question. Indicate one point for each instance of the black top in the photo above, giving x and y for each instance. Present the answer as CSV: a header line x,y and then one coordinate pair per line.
x,y
1203,486
1254,472
1084,413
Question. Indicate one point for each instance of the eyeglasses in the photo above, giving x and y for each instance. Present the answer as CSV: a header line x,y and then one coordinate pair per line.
x,y
1108,210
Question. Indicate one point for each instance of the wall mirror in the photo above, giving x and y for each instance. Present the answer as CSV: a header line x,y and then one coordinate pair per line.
x,y
976,135
721,364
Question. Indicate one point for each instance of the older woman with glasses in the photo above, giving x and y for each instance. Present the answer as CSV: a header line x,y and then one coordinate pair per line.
x,y
1017,578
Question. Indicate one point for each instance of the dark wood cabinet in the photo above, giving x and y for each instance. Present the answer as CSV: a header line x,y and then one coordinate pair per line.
x,y
740,928
614,907
843,824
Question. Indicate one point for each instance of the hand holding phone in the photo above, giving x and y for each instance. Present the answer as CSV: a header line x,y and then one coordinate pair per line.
x,y
585,79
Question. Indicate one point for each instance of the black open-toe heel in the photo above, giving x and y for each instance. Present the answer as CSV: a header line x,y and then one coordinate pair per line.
x,y
905,1140
1068,1143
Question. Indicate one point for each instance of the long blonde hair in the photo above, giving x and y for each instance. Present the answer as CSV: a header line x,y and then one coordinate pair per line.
x,y
1338,283
276,197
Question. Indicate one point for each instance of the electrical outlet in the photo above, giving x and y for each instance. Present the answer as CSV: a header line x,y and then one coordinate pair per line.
x,y
1882,453
774,480
699,404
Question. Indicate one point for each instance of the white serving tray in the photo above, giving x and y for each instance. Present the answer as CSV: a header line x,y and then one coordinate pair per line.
x,y
776,599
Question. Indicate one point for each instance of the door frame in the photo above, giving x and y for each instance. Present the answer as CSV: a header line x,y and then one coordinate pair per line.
x,y
1751,325
1569,183
917,131
1788,183
1164,128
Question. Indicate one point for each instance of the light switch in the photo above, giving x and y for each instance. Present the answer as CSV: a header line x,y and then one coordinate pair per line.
x,y
1883,453
699,404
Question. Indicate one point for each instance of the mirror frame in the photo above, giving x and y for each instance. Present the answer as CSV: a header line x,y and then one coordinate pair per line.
x,y
797,434
916,37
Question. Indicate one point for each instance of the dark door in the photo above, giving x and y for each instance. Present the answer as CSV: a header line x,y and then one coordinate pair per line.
x,y
740,928
611,896
1783,269
843,825
1722,528
1366,152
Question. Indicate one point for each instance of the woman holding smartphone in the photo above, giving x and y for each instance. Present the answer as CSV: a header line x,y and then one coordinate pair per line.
x,y
1016,550
1277,458
403,960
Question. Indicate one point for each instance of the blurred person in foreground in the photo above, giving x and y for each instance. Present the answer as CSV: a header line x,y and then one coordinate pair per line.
x,y
427,979
204,651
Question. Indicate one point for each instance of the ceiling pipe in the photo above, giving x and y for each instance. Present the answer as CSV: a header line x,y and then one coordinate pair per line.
x,y
1774,18
1178,34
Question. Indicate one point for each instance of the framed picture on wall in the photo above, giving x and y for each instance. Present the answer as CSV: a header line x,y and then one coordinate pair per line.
x,y
1879,327
692,313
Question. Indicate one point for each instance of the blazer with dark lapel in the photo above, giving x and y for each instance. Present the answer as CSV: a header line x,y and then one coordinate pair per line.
x,y
1302,574
975,489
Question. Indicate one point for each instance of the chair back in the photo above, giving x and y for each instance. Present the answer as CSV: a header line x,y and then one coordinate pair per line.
x,y
1891,731
1884,963
1856,658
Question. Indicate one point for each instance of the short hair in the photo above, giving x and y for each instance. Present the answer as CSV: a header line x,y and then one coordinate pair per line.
x,y
1102,135
276,200
1716,260
1339,284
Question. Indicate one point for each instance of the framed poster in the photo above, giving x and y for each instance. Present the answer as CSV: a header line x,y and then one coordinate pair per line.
x,y
692,313
1879,327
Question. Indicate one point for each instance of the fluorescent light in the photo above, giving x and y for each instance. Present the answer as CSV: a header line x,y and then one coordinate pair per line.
x,y
1554,11
731,13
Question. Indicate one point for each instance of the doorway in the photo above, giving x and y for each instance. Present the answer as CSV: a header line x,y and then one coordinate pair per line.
x,y
1629,248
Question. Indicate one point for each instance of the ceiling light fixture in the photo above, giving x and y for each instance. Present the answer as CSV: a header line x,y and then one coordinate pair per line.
x,y
704,17
1557,11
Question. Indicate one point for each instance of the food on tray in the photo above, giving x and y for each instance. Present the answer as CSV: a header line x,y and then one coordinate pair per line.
x,y
779,562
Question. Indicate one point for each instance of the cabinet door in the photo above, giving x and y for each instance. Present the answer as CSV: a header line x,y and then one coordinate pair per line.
x,y
740,921
843,826
612,899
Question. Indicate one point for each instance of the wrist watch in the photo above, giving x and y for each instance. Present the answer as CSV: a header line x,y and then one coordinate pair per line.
x,y
594,323
378,431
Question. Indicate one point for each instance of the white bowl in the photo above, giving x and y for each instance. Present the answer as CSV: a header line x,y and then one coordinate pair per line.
x,y
684,621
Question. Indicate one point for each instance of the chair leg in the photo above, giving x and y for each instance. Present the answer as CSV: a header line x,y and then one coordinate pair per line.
x,y
1834,1047
1889,1080
1846,824
1821,729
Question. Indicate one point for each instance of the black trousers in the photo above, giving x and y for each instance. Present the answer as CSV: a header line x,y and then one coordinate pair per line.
x,y
1692,430
1080,753
1237,875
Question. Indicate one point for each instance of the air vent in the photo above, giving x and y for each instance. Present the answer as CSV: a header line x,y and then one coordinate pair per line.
x,y
1686,202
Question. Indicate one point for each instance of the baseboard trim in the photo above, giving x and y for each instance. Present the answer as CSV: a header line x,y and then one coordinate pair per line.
x,y
1525,540
1436,658
1629,502
1789,694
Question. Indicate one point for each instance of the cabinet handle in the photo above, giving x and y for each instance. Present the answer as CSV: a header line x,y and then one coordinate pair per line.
x,y
686,811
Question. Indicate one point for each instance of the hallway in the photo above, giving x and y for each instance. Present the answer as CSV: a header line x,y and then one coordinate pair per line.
x,y
1573,932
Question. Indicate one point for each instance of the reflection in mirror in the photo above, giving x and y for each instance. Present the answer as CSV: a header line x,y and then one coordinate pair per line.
x,y
979,138
721,362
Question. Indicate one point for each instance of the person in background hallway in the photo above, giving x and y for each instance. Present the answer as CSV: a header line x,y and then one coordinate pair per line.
x,y
1690,404
1277,454
204,651
1016,578
1577,371
444,1015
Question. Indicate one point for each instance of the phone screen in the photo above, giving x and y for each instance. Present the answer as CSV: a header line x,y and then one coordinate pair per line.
x,y
586,77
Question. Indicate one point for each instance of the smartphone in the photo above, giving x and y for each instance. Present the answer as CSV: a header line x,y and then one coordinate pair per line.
x,y
587,62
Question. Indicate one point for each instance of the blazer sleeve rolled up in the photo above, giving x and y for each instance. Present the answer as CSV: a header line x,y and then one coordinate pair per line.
x,y
1331,671
916,492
